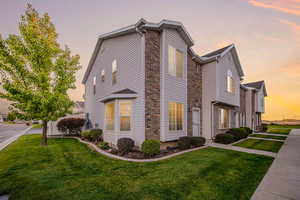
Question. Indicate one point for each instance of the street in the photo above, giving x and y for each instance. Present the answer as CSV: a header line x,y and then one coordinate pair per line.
x,y
9,130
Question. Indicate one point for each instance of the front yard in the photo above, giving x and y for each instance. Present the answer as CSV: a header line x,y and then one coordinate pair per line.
x,y
268,136
67,169
265,145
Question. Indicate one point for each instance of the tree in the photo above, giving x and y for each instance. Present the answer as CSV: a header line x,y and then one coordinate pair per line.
x,y
35,72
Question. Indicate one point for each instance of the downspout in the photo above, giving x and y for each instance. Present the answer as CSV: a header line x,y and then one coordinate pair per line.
x,y
212,118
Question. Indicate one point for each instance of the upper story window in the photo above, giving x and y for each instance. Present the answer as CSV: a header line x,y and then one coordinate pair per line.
x,y
114,71
230,82
94,85
109,116
175,62
224,115
102,75
175,116
125,115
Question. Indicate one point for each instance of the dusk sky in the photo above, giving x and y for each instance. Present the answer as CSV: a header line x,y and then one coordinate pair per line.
x,y
265,32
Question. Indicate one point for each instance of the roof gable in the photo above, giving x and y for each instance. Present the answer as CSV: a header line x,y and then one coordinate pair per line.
x,y
257,85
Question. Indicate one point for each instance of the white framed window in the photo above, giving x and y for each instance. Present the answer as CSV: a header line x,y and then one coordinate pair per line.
x,y
230,82
94,84
176,112
125,115
224,118
110,116
175,62
114,71
103,75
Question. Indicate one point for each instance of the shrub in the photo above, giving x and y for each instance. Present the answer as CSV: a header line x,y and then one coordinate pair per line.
x,y
188,142
11,116
104,145
92,135
150,147
248,130
238,133
264,127
125,145
71,126
224,138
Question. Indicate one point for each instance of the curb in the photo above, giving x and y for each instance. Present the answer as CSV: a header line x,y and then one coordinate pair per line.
x,y
131,159
12,139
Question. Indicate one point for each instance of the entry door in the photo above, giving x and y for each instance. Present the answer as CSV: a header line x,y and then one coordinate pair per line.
x,y
196,122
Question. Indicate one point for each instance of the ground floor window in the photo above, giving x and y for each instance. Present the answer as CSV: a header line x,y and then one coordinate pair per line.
x,y
224,115
175,116
109,116
125,115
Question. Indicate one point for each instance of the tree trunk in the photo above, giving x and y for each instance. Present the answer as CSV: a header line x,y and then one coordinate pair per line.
x,y
44,137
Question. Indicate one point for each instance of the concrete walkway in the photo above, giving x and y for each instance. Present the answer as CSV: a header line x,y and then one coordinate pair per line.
x,y
282,180
236,148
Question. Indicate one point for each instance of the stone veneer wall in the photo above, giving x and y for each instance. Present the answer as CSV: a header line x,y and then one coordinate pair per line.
x,y
152,85
194,92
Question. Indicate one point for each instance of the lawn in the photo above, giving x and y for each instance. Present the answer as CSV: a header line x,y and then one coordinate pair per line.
x,y
37,126
264,145
283,131
67,169
268,136
283,126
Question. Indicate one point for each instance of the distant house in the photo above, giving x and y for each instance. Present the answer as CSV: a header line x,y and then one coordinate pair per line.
x,y
145,82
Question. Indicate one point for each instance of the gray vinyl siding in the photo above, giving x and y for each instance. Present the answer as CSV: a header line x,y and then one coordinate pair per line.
x,y
129,53
173,89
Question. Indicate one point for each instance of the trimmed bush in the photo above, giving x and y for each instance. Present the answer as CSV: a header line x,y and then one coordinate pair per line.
x,y
92,135
151,147
264,127
238,133
104,145
188,142
70,126
224,138
249,130
125,145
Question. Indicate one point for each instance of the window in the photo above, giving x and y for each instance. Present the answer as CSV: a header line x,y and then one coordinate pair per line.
x,y
175,116
175,62
110,116
102,75
230,82
224,118
114,72
125,115
94,85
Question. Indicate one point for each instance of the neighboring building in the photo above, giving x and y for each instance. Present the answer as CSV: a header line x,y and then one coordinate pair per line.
x,y
4,104
145,82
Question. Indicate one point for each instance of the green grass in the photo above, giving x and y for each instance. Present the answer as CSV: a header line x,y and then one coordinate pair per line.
x,y
284,126
264,145
283,131
268,136
67,169
37,126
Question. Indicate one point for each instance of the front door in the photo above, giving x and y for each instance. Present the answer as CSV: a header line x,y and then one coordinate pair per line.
x,y
196,122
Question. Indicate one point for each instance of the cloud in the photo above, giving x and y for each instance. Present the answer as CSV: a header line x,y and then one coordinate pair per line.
x,y
287,6
268,37
294,26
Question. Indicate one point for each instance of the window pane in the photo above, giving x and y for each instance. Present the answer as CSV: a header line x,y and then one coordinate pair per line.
x,y
102,75
125,115
109,116
224,118
171,61
175,116
179,64
114,72
179,116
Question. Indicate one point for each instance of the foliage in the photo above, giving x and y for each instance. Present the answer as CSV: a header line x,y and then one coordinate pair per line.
x,y
35,72
151,147
264,127
248,130
71,126
92,134
224,138
238,133
125,145
11,116
220,174
104,145
188,142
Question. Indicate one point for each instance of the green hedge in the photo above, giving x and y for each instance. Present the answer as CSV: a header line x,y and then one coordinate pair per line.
x,y
151,147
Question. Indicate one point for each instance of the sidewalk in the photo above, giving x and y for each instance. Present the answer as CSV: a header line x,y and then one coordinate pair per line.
x,y
12,139
282,181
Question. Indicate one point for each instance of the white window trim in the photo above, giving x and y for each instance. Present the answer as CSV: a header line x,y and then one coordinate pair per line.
x,y
229,119
131,116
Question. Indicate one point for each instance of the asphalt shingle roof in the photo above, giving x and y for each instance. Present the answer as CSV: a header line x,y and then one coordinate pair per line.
x,y
217,52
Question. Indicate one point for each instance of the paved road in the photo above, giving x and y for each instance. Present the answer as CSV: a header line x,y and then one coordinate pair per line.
x,y
9,130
